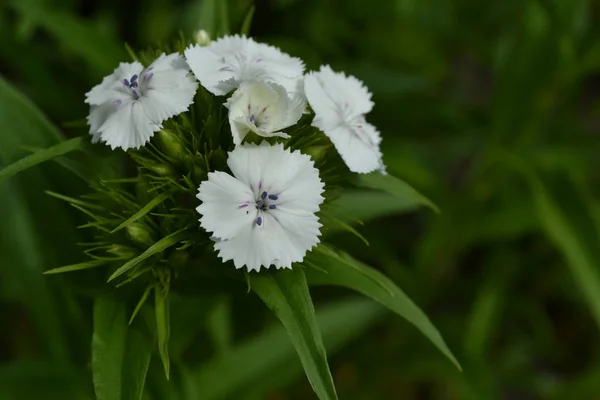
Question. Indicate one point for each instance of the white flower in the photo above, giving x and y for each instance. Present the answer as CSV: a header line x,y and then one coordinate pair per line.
x,y
264,108
340,103
225,63
264,214
131,103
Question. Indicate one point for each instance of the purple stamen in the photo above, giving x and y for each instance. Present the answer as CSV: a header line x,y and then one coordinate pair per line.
x,y
134,78
259,221
263,195
252,118
243,205
125,82
273,197
260,204
260,184
272,206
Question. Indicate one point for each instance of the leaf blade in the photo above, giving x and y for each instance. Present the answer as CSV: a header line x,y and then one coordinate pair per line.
x,y
342,270
157,247
394,186
41,156
286,294
108,347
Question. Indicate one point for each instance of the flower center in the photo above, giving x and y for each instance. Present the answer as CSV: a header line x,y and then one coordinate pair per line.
x,y
133,84
264,203
256,115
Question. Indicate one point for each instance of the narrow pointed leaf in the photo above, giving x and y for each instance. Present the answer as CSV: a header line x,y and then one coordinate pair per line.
x,y
42,155
143,211
108,347
363,205
394,186
238,371
247,24
343,270
569,223
286,294
157,247
76,267
161,298
140,345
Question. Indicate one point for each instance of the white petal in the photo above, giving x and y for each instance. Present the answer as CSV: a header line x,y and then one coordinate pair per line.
x,y
222,209
225,63
128,127
358,144
104,91
339,103
335,97
170,90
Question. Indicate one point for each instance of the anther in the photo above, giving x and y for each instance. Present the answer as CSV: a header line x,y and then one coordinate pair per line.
x,y
273,197
259,221
272,206
263,195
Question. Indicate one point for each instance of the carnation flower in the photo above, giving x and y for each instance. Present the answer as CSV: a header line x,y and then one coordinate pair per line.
x,y
131,103
264,214
225,63
340,103
264,108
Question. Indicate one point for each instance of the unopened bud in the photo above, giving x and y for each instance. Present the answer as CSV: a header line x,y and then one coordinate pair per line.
x,y
140,233
317,153
202,38
161,169
170,143
123,252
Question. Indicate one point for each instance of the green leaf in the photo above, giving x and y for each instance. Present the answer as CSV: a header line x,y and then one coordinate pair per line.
x,y
36,233
140,345
247,24
157,247
343,270
569,223
42,155
361,205
237,374
99,49
143,211
286,294
394,186
108,347
161,299
120,353
76,267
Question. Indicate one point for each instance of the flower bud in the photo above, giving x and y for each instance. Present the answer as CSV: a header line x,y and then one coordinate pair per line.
x,y
161,169
123,252
170,143
140,233
316,153
202,37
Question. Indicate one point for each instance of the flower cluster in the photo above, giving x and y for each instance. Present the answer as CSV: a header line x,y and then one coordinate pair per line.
x,y
264,211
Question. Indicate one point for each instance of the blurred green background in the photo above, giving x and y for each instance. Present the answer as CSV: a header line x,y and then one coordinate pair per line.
x,y
491,109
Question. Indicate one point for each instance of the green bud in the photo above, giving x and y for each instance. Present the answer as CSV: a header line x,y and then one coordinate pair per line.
x,y
140,233
202,37
171,143
317,153
161,169
123,252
